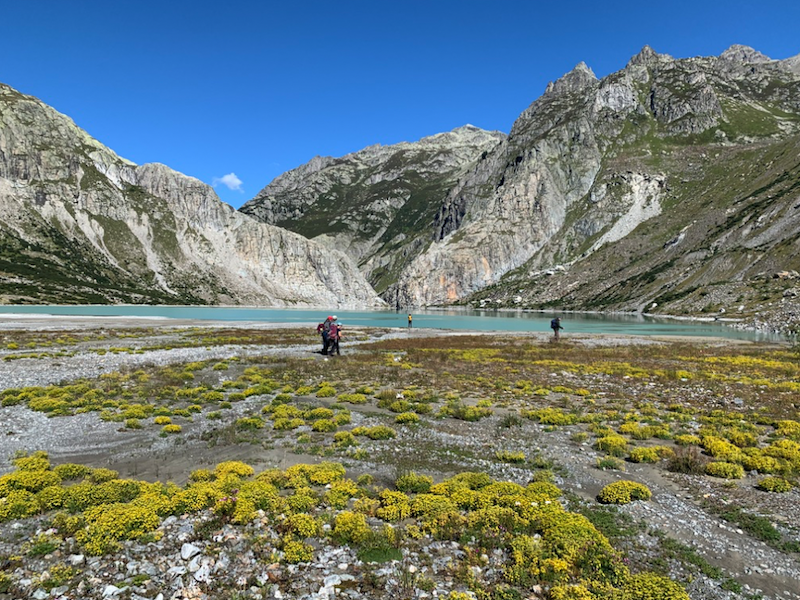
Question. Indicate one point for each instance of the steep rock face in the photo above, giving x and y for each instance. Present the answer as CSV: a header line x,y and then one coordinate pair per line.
x,y
502,213
80,224
377,204
591,161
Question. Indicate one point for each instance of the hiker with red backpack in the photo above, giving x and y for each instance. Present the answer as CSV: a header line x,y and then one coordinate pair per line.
x,y
333,339
324,329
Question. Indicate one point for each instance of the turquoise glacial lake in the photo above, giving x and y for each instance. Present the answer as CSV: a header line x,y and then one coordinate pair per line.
x,y
455,319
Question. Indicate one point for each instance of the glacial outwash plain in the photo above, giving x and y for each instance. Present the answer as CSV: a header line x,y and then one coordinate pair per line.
x,y
239,462
163,460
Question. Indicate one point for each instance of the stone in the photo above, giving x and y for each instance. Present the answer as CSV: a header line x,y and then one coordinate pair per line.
x,y
194,564
176,571
203,574
189,551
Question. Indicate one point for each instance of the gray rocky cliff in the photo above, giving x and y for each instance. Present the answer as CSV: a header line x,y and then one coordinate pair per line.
x,y
81,224
589,162
377,204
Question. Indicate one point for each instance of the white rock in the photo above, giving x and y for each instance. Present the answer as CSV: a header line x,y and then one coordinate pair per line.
x,y
222,563
76,559
194,565
203,574
110,591
189,551
324,593
176,571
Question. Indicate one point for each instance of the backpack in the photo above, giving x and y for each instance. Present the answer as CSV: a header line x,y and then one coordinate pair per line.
x,y
326,326
554,324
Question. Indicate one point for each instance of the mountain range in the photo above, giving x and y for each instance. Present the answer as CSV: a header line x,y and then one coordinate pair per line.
x,y
670,186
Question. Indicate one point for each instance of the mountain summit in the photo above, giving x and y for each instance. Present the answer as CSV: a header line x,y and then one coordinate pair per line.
x,y
378,204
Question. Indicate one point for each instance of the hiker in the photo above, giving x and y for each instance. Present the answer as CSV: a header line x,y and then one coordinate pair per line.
x,y
334,337
555,325
409,320
324,329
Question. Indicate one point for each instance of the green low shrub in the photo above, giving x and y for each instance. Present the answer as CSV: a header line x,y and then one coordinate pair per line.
x,y
249,424
725,470
644,455
413,482
689,460
379,432
324,425
623,492
687,440
508,456
613,445
610,463
406,418
356,398
650,586
106,525
350,528
774,484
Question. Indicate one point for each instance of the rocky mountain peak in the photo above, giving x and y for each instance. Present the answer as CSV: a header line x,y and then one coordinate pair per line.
x,y
466,134
792,64
744,54
648,57
576,80
291,179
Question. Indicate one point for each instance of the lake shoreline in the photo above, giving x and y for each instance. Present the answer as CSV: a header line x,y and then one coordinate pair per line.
x,y
89,323
459,319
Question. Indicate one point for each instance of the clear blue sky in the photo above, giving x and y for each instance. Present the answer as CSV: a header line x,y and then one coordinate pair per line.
x,y
257,88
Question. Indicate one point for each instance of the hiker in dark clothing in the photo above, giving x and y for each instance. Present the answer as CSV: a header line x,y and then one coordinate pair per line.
x,y
409,321
324,329
555,325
